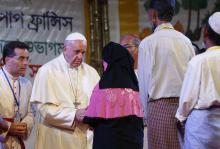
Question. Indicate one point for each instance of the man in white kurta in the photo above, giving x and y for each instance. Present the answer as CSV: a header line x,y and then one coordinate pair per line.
x,y
200,95
162,61
61,90
13,117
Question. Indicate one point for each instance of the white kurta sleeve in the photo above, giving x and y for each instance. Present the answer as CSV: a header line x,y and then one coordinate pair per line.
x,y
59,116
143,77
189,92
29,119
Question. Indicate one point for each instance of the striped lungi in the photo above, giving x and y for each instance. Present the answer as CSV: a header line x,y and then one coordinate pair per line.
x,y
161,124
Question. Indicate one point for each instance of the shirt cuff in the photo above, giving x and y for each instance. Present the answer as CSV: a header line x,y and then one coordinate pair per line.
x,y
180,117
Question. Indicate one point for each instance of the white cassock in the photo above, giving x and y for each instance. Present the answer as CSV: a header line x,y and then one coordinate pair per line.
x,y
56,88
7,107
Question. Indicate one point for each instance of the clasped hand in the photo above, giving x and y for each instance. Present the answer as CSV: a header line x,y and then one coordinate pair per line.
x,y
80,114
18,129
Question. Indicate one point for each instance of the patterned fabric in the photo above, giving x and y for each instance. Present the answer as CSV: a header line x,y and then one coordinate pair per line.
x,y
162,131
114,102
21,142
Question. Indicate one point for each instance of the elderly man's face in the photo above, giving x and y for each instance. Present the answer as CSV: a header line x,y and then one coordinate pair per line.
x,y
74,52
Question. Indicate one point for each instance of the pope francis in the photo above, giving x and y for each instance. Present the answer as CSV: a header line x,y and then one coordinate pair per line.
x,y
61,92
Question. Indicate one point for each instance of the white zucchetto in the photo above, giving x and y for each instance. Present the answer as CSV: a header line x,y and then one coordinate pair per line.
x,y
76,36
214,22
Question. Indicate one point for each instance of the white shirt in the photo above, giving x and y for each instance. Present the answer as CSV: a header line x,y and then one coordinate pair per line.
x,y
162,62
201,86
8,108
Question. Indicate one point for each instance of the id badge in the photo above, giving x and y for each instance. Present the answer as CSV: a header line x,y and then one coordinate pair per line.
x,y
17,117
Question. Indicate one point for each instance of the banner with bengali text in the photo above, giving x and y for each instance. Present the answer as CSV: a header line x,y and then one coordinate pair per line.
x,y
42,24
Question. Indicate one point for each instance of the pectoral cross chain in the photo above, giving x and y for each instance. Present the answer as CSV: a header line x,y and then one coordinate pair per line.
x,y
76,104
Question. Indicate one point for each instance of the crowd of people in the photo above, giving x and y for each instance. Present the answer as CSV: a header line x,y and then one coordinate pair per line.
x,y
156,84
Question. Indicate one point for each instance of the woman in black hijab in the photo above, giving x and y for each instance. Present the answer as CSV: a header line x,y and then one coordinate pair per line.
x,y
115,111
120,69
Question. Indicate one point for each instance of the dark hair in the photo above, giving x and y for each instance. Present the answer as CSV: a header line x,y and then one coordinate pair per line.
x,y
212,35
164,8
9,48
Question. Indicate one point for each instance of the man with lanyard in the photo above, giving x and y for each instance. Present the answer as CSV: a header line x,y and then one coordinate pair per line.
x,y
162,61
61,91
200,95
16,119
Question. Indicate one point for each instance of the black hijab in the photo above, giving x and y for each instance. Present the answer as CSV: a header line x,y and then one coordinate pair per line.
x,y
120,70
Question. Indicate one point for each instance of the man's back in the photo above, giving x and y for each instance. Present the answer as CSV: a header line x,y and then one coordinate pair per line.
x,y
166,53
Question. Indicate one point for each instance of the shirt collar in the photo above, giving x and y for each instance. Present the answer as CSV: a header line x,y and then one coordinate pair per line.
x,y
8,74
163,26
214,48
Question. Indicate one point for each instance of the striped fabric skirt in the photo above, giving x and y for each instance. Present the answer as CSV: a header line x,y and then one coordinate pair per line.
x,y
161,124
